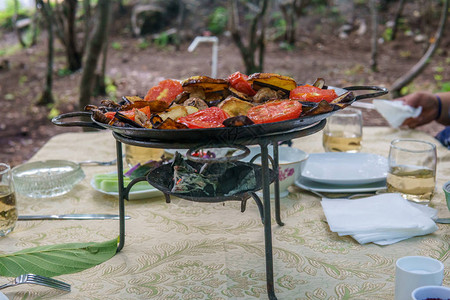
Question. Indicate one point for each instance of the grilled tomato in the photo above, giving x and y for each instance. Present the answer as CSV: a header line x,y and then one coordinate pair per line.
x,y
207,118
167,90
312,94
275,111
239,82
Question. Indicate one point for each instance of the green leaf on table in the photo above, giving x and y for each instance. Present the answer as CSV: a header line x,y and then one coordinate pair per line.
x,y
54,260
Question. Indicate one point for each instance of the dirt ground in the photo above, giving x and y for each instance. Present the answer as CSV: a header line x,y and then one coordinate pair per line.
x,y
25,127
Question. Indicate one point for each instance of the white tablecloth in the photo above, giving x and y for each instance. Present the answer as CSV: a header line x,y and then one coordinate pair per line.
x,y
187,250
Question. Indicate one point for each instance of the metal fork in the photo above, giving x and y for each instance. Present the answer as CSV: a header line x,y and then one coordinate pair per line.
x,y
98,163
38,279
343,195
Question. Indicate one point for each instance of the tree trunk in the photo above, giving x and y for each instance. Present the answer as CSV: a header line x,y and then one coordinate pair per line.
x,y
16,28
87,23
94,49
398,14
34,26
74,56
100,82
423,62
256,41
374,51
292,10
47,95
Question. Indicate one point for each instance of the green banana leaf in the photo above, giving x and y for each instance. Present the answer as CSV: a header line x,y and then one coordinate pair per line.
x,y
54,260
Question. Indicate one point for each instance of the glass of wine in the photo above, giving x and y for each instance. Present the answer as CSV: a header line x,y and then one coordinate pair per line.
x,y
343,131
136,154
8,210
412,169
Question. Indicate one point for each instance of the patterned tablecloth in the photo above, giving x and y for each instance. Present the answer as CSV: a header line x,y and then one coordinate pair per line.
x,y
189,250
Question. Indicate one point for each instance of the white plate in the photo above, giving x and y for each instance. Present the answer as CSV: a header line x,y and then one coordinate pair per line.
x,y
345,168
3,297
145,194
329,188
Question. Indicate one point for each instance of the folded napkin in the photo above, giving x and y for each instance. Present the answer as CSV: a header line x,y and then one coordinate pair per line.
x,y
382,219
395,112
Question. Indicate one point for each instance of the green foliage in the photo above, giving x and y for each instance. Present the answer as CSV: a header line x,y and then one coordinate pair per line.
x,y
218,20
54,260
321,7
116,46
387,34
286,46
7,14
162,40
63,72
28,35
143,44
405,90
10,50
54,112
111,89
439,69
444,86
279,25
23,79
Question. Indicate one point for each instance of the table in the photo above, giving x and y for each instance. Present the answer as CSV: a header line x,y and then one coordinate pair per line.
x,y
186,250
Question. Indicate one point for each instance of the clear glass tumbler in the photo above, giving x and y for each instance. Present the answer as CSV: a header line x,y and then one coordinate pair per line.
x,y
343,131
8,210
136,154
412,169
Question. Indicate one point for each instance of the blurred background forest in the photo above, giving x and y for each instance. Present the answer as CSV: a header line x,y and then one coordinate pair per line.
x,y
58,55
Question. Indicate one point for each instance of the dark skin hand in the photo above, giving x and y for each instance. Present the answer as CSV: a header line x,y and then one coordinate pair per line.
x,y
429,103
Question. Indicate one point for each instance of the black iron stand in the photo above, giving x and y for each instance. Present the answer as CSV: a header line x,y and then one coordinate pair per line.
x,y
263,142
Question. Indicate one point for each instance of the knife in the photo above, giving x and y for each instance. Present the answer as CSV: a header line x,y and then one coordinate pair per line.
x,y
72,217
443,220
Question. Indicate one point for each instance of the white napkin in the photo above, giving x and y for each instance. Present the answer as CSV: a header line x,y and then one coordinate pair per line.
x,y
382,219
395,112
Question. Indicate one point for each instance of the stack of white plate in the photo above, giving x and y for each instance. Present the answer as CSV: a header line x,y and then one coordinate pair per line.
x,y
340,172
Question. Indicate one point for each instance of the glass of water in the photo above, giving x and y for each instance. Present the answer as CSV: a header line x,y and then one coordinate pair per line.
x,y
343,131
412,169
8,210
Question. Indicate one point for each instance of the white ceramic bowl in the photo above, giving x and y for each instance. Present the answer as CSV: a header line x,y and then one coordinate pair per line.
x,y
431,292
291,163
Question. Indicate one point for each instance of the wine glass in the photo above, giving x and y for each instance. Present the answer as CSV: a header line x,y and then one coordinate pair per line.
x,y
412,169
8,210
343,131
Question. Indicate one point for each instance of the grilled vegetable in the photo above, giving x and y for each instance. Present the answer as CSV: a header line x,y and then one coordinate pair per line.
x,y
273,81
275,111
235,107
167,90
205,102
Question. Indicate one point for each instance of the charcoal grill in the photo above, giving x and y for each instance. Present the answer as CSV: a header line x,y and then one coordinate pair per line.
x,y
258,134
267,176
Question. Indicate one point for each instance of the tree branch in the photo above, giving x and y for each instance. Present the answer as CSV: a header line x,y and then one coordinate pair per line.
x,y
423,62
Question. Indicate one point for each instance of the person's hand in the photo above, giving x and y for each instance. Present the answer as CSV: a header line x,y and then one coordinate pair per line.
x,y
429,105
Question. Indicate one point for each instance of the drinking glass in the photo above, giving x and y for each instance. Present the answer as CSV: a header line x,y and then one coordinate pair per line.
x,y
412,169
446,189
412,272
8,210
343,131
135,154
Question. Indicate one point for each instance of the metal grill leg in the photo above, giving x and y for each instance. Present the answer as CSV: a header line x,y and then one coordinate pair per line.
x,y
276,163
121,196
267,222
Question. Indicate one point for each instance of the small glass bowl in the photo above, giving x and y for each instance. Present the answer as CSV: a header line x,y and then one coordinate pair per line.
x,y
43,179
